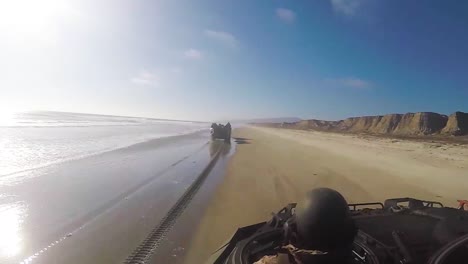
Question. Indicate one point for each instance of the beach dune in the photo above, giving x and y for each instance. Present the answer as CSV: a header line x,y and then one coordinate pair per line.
x,y
273,167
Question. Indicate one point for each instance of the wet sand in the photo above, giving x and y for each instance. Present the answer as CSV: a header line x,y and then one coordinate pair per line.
x,y
272,167
98,209
178,241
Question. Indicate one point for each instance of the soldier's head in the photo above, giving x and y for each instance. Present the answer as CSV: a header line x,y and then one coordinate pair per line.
x,y
322,223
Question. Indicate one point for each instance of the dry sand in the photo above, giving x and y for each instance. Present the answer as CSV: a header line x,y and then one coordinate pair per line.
x,y
276,166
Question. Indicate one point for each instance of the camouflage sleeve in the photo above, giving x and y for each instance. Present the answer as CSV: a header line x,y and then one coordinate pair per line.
x,y
267,260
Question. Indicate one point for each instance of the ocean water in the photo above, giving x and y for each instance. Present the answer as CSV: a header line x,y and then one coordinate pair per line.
x,y
38,139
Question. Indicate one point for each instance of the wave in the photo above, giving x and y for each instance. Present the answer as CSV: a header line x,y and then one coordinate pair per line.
x,y
63,119
51,125
18,176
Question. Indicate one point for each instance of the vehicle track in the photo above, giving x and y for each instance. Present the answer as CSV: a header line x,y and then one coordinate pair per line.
x,y
143,252
91,216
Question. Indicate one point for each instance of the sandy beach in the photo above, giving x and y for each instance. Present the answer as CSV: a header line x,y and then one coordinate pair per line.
x,y
272,167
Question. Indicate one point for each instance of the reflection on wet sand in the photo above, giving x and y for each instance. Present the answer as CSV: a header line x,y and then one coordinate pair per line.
x,y
11,219
216,144
141,185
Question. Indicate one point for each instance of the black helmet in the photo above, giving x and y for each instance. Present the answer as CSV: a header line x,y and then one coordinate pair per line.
x,y
323,221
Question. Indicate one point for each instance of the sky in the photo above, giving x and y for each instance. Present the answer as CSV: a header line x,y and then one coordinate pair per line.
x,y
211,59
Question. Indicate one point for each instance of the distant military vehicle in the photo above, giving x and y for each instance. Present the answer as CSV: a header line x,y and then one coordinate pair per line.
x,y
220,131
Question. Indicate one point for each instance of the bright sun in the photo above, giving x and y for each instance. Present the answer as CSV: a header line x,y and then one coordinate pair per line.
x,y
30,17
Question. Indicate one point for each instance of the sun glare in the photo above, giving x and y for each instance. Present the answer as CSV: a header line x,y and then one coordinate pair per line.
x,y
25,17
7,117
11,218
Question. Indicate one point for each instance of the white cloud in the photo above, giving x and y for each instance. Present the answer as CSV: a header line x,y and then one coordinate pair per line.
x,y
193,54
352,82
145,77
286,15
223,37
346,7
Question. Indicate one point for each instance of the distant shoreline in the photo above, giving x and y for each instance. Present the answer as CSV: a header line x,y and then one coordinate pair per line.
x,y
108,115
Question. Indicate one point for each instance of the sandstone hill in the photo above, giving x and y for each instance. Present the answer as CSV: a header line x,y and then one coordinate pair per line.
x,y
422,123
457,124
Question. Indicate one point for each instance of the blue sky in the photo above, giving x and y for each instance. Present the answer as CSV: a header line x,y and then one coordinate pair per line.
x,y
213,59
